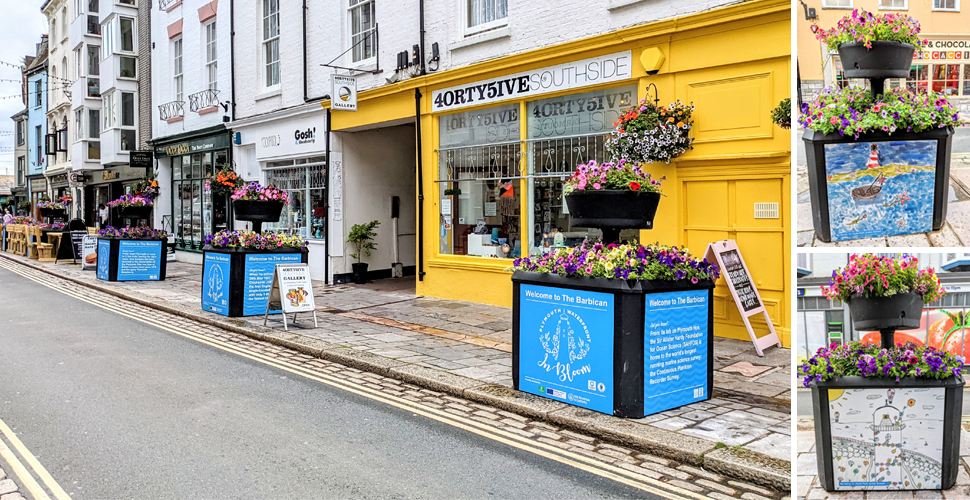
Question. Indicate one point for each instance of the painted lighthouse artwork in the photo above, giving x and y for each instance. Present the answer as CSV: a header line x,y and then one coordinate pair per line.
x,y
880,188
887,439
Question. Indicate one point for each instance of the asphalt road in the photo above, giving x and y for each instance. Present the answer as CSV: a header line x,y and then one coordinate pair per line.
x,y
117,409
961,144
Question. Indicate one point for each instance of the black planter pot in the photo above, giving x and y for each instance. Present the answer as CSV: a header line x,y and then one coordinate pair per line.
x,y
612,210
143,212
619,347
841,199
898,312
122,259
360,272
879,434
236,282
53,212
257,212
883,60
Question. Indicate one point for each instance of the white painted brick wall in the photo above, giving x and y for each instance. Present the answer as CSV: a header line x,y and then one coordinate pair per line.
x,y
193,64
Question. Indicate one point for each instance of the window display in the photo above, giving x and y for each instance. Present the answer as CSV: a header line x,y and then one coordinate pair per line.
x,y
303,179
195,211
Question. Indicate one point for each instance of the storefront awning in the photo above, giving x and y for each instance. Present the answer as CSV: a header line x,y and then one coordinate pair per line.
x,y
802,272
959,264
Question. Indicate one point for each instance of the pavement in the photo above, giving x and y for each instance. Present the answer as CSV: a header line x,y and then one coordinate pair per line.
x,y
9,490
807,485
464,349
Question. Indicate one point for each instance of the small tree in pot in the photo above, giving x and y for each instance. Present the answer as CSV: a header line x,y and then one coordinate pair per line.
x,y
362,236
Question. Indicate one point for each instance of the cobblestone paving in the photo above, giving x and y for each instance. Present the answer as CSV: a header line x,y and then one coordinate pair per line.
x,y
641,465
8,488
474,340
807,486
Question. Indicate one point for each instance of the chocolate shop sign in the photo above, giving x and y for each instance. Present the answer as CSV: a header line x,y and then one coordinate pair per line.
x,y
592,71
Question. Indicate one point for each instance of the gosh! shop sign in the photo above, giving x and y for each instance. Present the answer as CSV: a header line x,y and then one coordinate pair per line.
x,y
592,71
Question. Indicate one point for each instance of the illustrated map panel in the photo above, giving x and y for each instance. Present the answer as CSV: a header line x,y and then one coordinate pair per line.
x,y
887,439
880,188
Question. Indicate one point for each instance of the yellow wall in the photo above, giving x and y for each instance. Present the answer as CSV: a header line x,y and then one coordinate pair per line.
x,y
734,64
933,24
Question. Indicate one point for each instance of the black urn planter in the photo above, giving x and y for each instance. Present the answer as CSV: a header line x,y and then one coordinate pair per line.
x,y
122,259
134,212
612,210
257,212
880,434
624,348
53,212
906,194
899,312
360,272
236,282
884,60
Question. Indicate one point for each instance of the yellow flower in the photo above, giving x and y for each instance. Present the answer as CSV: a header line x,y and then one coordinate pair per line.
x,y
609,266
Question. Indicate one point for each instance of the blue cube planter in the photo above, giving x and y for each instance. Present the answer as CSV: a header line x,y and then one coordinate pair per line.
x,y
878,434
236,282
849,202
619,347
122,259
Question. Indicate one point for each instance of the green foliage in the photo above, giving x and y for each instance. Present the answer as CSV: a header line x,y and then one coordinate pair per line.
x,y
865,27
781,115
362,236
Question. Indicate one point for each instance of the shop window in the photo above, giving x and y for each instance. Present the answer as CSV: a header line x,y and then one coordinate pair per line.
x,y
562,133
946,78
918,77
196,213
306,213
479,184
966,79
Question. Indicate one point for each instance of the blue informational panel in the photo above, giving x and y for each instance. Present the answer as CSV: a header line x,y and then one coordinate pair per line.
x,y
104,259
139,260
215,287
258,279
675,350
566,345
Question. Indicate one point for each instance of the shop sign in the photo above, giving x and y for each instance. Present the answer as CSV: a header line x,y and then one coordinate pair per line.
x,y
577,74
566,345
675,360
38,185
801,292
141,159
944,50
59,179
210,143
89,248
343,93
290,138
292,291
108,175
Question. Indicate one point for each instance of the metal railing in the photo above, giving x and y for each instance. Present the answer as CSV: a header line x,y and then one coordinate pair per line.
x,y
203,100
559,156
171,110
486,162
163,5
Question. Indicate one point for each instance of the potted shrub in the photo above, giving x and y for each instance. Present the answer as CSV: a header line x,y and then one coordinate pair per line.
x,y
886,419
620,329
130,254
362,238
874,46
256,203
132,207
870,158
238,266
781,115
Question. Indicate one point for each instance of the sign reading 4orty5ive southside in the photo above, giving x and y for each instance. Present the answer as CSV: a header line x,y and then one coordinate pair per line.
x,y
592,71
566,345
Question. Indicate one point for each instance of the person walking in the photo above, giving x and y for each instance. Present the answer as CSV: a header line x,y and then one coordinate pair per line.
x,y
7,217
102,215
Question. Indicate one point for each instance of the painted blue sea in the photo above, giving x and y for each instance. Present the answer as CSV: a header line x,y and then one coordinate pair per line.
x,y
904,205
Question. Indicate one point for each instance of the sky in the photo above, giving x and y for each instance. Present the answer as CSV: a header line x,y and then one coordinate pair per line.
x,y
21,25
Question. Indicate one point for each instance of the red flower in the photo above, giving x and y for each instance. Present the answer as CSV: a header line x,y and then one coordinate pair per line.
x,y
635,186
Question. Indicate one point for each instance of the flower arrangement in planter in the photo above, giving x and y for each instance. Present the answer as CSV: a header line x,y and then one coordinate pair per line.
x,y
361,236
854,112
256,203
593,259
224,182
131,253
781,115
885,418
133,233
132,207
251,240
51,205
649,133
146,187
874,46
255,191
24,204
612,196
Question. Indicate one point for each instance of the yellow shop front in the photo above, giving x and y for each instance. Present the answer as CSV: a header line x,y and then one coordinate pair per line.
x,y
495,141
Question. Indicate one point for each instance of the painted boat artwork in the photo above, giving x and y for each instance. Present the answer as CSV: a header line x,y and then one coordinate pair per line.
x,y
880,188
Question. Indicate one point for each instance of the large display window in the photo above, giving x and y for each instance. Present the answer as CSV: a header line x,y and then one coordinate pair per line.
x,y
304,179
196,213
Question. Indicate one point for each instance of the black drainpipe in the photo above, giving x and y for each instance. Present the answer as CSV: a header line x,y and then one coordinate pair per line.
x,y
326,203
417,126
232,57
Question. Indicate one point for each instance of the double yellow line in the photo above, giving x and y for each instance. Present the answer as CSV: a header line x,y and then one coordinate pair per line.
x,y
566,457
26,478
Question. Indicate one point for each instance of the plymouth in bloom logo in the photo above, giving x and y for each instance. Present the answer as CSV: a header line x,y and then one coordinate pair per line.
x,y
216,280
564,329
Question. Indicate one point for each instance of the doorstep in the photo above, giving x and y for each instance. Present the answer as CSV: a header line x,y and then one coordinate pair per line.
x,y
743,431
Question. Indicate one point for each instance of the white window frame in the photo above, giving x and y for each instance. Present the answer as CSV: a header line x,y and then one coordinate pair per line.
x,y
108,111
480,28
120,59
266,40
824,6
178,69
904,7
79,115
134,110
956,6
91,136
210,46
134,35
107,39
79,60
361,4
133,4
79,6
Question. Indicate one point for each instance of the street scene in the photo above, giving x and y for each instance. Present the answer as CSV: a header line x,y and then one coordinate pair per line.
x,y
420,249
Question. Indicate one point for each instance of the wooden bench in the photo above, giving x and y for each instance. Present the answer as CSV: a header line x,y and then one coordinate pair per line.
x,y
48,251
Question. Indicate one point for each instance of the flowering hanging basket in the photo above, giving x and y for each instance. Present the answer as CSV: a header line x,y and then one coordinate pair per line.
x,y
613,208
884,60
52,212
258,210
901,311
134,211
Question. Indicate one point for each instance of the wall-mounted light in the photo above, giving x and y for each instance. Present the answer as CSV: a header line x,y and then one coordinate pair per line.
x,y
652,60
809,11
